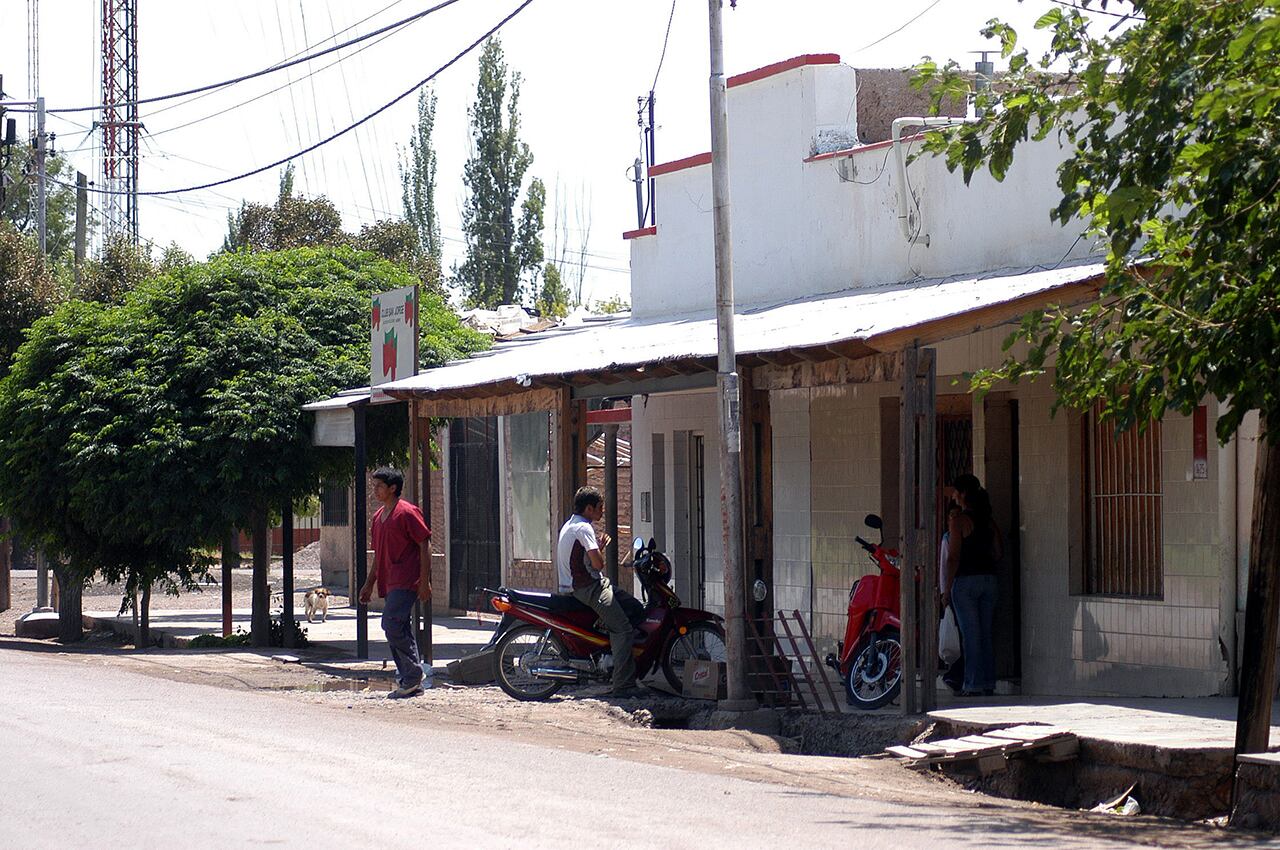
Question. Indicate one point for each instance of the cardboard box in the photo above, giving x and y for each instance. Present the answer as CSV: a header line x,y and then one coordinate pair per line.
x,y
704,679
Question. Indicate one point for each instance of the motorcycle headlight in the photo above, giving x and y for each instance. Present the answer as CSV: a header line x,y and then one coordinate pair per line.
x,y
894,560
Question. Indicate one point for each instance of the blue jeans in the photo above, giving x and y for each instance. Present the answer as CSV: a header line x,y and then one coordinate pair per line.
x,y
397,624
974,598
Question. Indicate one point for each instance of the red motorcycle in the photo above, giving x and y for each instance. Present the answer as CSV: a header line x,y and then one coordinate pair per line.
x,y
548,640
869,659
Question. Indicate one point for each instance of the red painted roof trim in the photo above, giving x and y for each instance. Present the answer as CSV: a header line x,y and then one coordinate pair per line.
x,y
644,231
677,165
874,146
785,65
617,415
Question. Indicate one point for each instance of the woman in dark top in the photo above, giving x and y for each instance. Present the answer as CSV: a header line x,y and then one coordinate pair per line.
x,y
974,546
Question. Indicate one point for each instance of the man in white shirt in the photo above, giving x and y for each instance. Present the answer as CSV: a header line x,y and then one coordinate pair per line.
x,y
579,570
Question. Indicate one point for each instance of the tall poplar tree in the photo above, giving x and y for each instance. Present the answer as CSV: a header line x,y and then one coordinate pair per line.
x,y
418,179
504,256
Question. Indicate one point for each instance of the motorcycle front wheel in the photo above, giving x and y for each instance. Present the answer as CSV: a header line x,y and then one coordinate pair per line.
x,y
875,673
704,641
520,650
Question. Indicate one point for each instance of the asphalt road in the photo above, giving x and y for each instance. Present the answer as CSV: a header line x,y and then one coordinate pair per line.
x,y
92,755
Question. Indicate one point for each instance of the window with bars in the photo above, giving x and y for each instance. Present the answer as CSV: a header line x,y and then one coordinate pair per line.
x,y
333,503
1122,510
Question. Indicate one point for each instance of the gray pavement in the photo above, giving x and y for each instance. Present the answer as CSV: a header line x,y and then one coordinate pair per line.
x,y
99,756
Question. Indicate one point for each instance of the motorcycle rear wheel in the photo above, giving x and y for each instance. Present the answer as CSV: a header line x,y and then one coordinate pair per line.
x,y
703,641
516,652
875,673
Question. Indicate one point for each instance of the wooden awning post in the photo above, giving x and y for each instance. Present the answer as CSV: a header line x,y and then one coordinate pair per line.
x,y
288,626
360,533
611,500
917,426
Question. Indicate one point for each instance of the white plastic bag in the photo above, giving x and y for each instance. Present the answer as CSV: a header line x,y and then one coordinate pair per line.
x,y
949,637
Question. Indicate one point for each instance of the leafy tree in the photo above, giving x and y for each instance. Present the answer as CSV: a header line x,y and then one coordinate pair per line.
x,y
502,254
18,200
28,289
294,222
611,305
553,297
1171,118
397,241
177,413
418,182
121,268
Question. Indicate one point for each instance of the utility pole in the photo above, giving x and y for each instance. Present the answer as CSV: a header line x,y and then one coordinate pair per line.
x,y
82,216
41,205
739,696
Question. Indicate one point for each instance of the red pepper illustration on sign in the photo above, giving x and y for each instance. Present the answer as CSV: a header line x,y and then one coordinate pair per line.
x,y
377,314
408,309
389,354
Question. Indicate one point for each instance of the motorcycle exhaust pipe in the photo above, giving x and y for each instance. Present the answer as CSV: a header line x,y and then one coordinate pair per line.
x,y
561,674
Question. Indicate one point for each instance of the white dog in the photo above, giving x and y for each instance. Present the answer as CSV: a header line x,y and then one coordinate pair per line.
x,y
317,603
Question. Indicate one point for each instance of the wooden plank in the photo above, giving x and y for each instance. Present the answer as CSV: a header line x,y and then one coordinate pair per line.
x,y
510,404
870,369
906,752
988,765
1028,732
1061,750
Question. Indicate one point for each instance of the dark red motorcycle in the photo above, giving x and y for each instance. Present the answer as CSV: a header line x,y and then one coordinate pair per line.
x,y
869,659
548,640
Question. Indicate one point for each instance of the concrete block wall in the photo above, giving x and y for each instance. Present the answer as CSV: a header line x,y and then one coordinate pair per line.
x,y
792,561
844,425
1096,646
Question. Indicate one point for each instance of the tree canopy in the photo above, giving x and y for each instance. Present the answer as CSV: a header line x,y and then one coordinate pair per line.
x,y
1169,110
418,186
133,435
504,255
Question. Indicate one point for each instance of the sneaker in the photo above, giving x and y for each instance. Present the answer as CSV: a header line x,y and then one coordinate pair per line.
x,y
403,692
627,691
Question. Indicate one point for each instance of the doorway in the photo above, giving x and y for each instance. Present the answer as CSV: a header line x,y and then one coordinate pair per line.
x,y
689,460
1000,413
475,549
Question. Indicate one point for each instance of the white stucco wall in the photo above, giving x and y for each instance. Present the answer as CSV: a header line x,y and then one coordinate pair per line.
x,y
798,229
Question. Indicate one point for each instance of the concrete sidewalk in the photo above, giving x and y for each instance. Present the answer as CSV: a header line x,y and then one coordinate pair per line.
x,y
452,637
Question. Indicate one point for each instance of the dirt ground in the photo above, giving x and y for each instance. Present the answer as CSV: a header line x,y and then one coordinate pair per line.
x,y
626,729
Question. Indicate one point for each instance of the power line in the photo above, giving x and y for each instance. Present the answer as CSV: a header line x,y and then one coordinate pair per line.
x,y
346,129
278,67
889,35
337,33
662,58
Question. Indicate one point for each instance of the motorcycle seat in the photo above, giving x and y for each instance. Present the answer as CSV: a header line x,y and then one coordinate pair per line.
x,y
555,603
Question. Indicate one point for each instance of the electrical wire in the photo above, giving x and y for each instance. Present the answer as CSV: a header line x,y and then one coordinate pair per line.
x,y
277,67
337,33
889,35
662,58
468,49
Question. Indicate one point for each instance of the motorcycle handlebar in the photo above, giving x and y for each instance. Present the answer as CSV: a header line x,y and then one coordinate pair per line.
x,y
864,544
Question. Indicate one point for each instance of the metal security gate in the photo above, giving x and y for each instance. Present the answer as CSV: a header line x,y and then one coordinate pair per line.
x,y
475,553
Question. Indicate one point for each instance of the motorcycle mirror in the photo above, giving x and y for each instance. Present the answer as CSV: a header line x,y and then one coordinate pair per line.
x,y
759,590
874,521
653,544
638,545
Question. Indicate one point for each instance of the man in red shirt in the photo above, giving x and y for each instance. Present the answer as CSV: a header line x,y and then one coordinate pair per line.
x,y
402,572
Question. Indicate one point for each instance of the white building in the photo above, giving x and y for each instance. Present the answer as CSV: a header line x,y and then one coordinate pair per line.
x,y
1126,566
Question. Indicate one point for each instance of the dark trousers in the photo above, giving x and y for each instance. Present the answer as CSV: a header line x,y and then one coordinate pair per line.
x,y
397,624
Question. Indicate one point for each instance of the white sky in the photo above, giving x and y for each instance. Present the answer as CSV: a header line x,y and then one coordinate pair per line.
x,y
584,63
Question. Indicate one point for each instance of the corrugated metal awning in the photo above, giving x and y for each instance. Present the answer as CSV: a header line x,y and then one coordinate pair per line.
x,y
849,323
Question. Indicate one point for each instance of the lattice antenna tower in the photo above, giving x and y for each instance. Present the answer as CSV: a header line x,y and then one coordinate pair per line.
x,y
33,57
119,124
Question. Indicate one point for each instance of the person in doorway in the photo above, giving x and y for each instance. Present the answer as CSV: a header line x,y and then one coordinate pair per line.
x,y
974,547
402,573
579,570
953,676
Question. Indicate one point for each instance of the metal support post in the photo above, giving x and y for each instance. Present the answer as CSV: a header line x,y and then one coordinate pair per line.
x,y
287,624
739,694
361,534
41,199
